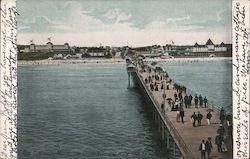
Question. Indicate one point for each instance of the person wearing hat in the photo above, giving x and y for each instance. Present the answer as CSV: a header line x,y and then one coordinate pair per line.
x,y
194,118
190,100
209,116
221,130
199,118
208,147
202,148
182,114
205,101
196,101
186,101
218,142
222,115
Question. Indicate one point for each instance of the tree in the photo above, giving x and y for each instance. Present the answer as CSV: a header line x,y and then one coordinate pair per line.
x,y
77,50
113,53
85,55
108,55
123,54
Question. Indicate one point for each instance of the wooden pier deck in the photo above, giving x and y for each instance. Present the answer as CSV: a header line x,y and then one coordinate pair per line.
x,y
187,137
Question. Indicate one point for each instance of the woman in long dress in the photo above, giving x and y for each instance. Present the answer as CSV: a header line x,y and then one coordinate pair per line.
x,y
178,116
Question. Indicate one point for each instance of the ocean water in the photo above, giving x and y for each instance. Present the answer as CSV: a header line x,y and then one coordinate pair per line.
x,y
82,111
212,79
85,111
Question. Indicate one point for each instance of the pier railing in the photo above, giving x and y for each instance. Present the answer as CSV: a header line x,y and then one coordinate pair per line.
x,y
175,134
210,104
193,93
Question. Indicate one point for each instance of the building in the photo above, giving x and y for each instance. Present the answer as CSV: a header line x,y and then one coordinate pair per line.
x,y
96,51
210,49
143,50
49,47
168,48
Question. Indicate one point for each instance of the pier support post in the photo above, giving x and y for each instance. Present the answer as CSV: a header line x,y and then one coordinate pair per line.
x,y
129,79
174,150
167,139
163,131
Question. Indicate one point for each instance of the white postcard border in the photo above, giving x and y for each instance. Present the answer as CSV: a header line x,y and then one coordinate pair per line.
x,y
240,80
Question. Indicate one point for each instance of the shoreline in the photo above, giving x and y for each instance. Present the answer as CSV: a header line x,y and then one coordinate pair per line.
x,y
118,60
72,61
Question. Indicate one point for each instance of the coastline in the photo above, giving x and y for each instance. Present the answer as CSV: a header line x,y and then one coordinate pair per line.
x,y
69,61
118,60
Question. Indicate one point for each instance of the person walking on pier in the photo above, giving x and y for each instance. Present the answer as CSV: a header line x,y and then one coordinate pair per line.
x,y
182,114
190,100
194,118
202,148
175,96
180,96
218,142
209,116
151,87
205,102
199,118
209,147
222,115
201,100
196,101
221,130
178,116
162,86
156,87
186,101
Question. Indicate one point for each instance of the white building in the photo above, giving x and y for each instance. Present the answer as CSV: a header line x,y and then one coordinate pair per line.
x,y
209,47
211,50
49,47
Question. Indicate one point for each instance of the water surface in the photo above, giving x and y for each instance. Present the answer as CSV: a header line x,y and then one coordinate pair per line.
x,y
73,111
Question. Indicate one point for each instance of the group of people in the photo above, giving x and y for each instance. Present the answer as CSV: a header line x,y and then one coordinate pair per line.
x,y
187,100
206,148
180,88
156,82
198,117
221,137
199,100
226,120
179,102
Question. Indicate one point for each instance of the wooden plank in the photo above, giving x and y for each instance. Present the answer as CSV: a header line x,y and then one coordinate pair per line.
x,y
192,136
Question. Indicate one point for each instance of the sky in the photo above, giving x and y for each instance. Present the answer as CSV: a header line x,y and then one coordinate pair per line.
x,y
124,22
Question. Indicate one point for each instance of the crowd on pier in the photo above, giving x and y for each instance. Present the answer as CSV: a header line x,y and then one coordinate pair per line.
x,y
222,139
158,80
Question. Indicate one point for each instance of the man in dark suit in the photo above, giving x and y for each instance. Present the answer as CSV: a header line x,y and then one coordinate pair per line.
x,y
209,147
202,148
199,118
194,118
218,142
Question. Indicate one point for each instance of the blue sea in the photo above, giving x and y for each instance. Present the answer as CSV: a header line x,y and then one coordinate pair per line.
x,y
85,111
210,79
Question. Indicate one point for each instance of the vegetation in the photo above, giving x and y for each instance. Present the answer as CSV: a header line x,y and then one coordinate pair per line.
x,y
108,55
35,55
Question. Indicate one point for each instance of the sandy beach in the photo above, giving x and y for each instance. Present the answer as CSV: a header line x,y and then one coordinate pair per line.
x,y
118,60
71,61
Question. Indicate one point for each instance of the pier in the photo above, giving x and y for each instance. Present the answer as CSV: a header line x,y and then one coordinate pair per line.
x,y
182,139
